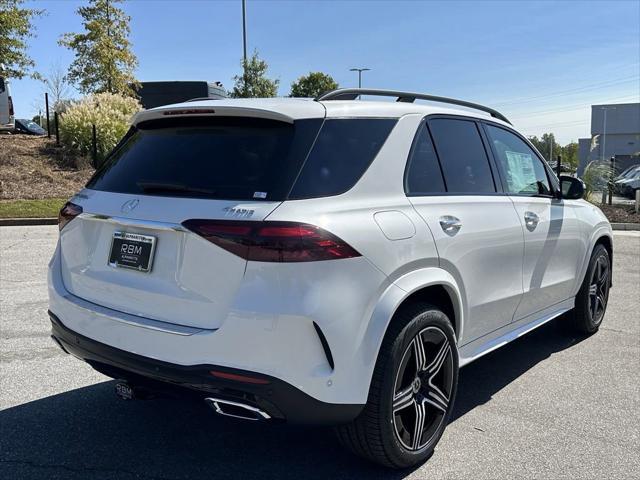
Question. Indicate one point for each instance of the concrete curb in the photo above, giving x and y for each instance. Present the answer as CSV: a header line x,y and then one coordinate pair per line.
x,y
14,222
626,226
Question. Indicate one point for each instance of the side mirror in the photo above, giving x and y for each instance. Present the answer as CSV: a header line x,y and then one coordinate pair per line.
x,y
572,188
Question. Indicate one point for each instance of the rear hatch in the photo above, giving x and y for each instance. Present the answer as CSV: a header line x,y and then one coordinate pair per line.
x,y
128,249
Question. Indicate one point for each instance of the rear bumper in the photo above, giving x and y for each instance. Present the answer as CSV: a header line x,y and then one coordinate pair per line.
x,y
281,400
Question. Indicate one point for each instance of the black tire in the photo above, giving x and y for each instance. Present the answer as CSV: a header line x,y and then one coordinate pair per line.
x,y
586,320
379,433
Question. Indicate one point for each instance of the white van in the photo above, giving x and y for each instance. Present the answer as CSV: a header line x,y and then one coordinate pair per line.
x,y
6,106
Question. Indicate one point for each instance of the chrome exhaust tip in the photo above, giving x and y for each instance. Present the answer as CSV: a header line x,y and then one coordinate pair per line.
x,y
236,409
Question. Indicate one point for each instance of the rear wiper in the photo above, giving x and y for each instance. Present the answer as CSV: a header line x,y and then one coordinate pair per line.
x,y
156,187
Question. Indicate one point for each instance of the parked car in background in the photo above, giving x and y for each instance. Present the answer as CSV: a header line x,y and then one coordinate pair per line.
x,y
6,106
563,167
329,262
628,185
626,172
28,127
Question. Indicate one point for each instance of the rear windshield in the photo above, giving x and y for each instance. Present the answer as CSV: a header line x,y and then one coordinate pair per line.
x,y
242,158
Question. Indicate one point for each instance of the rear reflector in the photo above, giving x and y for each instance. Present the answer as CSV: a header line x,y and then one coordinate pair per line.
x,y
272,241
239,378
68,213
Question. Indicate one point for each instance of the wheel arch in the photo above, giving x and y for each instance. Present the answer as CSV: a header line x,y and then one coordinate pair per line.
x,y
431,285
607,242
437,295
601,236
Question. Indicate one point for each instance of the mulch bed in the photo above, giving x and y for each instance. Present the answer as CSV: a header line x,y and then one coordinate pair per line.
x,y
620,213
34,168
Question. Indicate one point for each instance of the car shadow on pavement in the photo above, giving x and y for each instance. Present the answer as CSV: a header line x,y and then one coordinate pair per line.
x,y
89,434
480,380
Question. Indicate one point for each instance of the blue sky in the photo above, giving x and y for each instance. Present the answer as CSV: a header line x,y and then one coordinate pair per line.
x,y
541,63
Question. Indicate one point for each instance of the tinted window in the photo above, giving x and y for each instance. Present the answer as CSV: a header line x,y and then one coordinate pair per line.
x,y
524,172
1,85
462,155
220,157
342,153
423,171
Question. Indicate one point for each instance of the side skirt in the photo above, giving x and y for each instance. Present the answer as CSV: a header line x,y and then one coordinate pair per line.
x,y
494,340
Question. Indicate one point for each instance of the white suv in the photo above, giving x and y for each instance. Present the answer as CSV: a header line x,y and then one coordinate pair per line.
x,y
331,262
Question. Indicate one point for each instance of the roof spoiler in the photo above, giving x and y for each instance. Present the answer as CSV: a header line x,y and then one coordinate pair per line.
x,y
207,110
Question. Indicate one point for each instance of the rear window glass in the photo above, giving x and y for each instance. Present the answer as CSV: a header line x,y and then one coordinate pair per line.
x,y
220,157
342,153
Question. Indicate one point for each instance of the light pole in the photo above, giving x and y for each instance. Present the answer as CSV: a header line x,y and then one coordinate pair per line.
x,y
244,32
604,130
604,146
359,70
244,48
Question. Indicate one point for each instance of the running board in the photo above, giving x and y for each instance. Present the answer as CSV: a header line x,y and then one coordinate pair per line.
x,y
470,353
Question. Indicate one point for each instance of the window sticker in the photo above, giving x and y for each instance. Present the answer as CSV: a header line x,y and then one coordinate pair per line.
x,y
521,175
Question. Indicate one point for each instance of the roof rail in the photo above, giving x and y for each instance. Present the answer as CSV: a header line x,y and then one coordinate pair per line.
x,y
408,97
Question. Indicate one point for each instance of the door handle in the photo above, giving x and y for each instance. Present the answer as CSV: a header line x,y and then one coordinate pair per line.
x,y
450,224
531,220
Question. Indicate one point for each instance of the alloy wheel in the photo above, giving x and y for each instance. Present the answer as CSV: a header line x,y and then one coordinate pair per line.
x,y
422,389
599,289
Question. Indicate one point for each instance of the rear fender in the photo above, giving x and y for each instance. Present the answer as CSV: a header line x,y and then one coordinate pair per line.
x,y
392,299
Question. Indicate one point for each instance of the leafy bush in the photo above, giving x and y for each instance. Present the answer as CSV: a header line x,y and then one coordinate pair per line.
x,y
595,177
110,113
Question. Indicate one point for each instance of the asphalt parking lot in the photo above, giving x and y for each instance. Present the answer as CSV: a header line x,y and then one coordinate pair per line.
x,y
549,405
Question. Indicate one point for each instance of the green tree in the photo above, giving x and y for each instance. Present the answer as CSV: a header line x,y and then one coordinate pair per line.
x,y
253,83
16,27
312,85
104,61
544,145
570,155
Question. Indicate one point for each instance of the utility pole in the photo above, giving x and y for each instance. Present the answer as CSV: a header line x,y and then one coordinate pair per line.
x,y
359,70
244,47
604,146
604,133
604,130
110,73
244,32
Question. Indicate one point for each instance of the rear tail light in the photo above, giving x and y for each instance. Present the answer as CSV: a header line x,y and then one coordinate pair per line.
x,y
273,241
10,107
68,213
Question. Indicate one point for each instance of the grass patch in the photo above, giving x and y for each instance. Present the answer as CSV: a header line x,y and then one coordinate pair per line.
x,y
46,208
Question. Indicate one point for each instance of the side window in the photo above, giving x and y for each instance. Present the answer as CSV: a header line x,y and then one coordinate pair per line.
x,y
523,170
423,171
464,161
341,154
2,85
